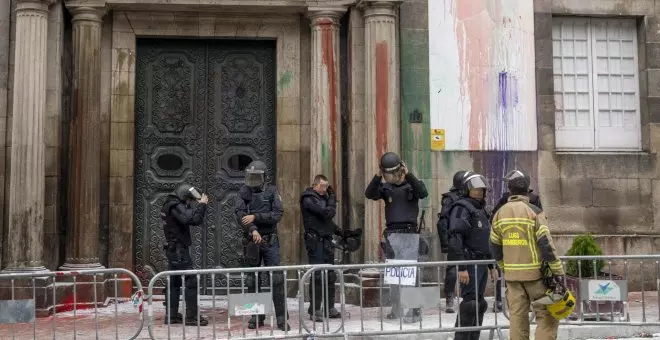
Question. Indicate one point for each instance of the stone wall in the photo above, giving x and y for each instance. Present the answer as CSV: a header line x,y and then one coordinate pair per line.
x,y
5,36
613,196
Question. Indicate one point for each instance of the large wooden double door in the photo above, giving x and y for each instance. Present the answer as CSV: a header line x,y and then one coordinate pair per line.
x,y
204,109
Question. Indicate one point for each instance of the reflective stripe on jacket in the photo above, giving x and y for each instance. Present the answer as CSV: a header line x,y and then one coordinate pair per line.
x,y
520,241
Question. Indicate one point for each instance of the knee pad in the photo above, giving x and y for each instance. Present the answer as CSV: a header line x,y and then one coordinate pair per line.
x,y
278,279
250,280
332,276
191,281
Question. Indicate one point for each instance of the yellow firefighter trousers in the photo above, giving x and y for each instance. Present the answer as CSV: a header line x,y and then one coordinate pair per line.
x,y
519,296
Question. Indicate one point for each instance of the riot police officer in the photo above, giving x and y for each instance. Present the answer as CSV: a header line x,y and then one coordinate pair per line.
x,y
258,209
469,233
179,212
401,191
318,206
533,199
448,199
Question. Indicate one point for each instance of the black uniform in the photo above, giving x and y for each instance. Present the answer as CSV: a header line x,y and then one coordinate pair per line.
x,y
401,211
448,200
178,217
317,214
266,205
469,229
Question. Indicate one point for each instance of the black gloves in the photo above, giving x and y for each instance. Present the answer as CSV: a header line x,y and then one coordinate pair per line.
x,y
330,190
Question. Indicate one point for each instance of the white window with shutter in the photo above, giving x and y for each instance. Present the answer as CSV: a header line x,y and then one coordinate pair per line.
x,y
596,84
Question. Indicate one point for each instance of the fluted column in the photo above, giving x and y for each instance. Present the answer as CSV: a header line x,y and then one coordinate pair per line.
x,y
83,233
326,147
25,226
382,119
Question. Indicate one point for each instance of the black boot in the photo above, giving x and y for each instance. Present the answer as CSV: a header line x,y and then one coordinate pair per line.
x,y
282,324
413,315
333,313
253,323
177,318
192,320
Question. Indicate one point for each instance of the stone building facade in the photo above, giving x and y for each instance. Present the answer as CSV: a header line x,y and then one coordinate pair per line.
x,y
106,105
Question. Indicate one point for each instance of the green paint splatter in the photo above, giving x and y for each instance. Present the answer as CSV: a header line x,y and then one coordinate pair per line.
x,y
416,137
285,81
326,158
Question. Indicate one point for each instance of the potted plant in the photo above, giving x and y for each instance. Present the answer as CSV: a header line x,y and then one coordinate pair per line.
x,y
586,245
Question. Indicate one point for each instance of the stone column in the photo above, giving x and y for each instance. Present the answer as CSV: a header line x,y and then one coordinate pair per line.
x,y
84,197
325,155
382,118
27,177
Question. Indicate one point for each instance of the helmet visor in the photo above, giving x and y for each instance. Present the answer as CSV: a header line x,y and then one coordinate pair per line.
x,y
195,193
476,182
254,178
513,174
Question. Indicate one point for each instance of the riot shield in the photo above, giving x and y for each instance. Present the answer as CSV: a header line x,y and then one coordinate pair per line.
x,y
401,248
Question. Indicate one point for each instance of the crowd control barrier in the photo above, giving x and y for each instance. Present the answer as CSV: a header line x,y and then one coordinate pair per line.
x,y
84,304
228,314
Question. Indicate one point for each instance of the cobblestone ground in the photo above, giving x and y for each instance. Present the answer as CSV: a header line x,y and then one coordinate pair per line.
x,y
125,324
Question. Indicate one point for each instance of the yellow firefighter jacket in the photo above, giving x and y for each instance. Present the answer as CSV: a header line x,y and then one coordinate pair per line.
x,y
520,241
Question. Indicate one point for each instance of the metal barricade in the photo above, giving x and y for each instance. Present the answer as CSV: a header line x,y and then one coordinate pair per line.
x,y
424,295
229,313
624,290
72,302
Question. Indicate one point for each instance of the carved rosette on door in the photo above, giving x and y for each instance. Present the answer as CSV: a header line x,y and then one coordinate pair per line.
x,y
204,110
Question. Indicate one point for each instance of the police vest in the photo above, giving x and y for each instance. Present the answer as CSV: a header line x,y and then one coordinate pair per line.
x,y
401,205
477,240
261,202
448,201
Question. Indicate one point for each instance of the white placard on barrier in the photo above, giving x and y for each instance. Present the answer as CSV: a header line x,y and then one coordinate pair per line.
x,y
249,309
407,275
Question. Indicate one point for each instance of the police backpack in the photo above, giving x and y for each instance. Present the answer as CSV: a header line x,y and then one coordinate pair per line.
x,y
448,201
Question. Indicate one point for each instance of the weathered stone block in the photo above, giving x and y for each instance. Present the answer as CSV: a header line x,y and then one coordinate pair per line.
x,y
121,23
652,55
187,24
618,192
609,8
52,131
123,109
653,79
51,190
122,136
544,81
414,15
123,83
620,220
288,165
599,166
121,190
576,191
123,59
288,137
123,40
545,109
121,163
546,137
121,219
542,6
52,161
288,110
549,189
652,28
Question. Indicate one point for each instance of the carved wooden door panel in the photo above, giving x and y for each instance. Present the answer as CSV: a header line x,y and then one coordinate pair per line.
x,y
203,111
241,128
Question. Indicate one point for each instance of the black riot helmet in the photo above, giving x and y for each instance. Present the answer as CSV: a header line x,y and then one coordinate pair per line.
x,y
390,162
518,182
255,174
186,191
459,177
474,181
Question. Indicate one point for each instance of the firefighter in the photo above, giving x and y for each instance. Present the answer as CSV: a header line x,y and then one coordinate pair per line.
x,y
520,241
533,199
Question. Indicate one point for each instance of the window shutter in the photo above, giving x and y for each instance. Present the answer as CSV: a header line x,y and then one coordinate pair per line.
x,y
574,124
616,86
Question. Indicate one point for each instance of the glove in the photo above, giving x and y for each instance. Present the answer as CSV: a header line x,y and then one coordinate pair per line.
x,y
559,284
330,190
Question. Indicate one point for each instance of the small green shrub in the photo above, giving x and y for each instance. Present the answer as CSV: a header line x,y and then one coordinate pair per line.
x,y
584,245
